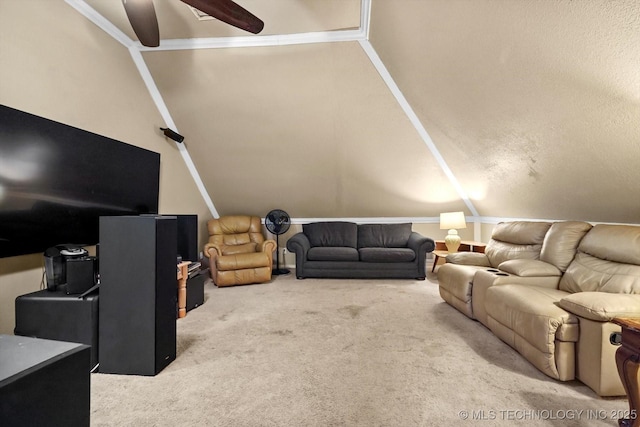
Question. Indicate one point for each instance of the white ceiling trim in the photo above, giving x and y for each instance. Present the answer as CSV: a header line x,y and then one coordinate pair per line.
x,y
365,17
229,42
256,41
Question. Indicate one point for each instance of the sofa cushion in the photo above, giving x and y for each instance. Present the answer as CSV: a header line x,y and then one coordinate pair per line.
x,y
332,233
516,240
328,253
521,232
383,235
608,260
561,242
498,252
618,243
590,274
386,254
601,306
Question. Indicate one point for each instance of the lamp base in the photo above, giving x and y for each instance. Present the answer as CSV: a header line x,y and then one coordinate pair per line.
x,y
452,241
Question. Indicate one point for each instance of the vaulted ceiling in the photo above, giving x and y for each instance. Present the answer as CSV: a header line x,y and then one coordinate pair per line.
x,y
519,109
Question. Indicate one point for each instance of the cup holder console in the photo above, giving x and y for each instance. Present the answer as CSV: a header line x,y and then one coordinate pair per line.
x,y
496,272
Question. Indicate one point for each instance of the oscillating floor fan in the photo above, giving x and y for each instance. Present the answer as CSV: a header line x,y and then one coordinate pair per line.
x,y
278,222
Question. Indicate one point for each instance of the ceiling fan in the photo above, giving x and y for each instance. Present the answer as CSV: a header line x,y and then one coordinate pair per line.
x,y
142,16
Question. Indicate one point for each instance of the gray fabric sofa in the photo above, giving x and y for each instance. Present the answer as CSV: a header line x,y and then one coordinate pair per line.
x,y
338,249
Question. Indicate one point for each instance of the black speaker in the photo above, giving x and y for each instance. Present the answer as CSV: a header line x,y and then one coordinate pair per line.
x,y
188,237
81,274
137,325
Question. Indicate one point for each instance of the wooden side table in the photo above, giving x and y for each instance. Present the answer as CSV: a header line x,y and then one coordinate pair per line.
x,y
183,275
438,254
441,252
628,362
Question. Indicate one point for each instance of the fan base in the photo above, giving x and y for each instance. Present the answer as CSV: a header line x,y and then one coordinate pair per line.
x,y
279,271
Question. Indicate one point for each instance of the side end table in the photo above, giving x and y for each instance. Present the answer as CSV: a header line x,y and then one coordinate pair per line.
x,y
628,362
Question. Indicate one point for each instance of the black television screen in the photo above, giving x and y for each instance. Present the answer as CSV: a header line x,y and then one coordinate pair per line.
x,y
57,180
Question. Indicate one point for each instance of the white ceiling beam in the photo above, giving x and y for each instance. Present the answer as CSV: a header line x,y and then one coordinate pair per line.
x,y
365,17
256,41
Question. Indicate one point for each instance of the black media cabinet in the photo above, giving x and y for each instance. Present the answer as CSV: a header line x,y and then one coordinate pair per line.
x,y
43,383
57,316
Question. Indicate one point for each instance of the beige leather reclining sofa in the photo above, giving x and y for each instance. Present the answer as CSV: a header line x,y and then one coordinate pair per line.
x,y
550,291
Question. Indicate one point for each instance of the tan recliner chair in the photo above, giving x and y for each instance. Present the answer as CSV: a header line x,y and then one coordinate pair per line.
x,y
238,252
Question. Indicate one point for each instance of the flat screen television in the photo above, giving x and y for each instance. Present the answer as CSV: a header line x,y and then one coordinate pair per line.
x,y
57,180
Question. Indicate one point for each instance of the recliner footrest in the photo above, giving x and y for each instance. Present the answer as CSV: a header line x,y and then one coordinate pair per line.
x,y
529,320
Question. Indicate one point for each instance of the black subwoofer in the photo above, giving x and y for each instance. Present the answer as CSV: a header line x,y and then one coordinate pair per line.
x,y
81,274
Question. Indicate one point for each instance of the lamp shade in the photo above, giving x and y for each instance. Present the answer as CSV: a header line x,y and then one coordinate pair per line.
x,y
452,220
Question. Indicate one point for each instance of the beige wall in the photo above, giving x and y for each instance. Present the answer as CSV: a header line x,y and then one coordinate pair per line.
x,y
64,69
311,129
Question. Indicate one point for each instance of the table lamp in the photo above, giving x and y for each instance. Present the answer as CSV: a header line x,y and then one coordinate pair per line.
x,y
452,221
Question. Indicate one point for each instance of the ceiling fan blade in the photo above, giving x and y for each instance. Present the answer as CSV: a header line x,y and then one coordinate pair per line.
x,y
142,16
229,12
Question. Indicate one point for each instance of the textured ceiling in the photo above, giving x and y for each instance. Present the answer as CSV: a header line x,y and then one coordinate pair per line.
x,y
534,105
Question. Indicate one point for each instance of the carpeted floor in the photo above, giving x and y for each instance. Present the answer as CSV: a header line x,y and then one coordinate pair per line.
x,y
341,353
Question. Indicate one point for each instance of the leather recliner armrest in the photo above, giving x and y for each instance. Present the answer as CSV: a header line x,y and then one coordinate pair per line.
x,y
469,258
268,246
212,246
601,306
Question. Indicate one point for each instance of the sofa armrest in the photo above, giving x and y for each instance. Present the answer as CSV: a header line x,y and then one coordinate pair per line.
x,y
469,258
530,268
601,306
300,245
420,244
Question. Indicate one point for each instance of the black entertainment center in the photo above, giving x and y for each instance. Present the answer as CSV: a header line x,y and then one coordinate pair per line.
x,y
43,383
55,315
